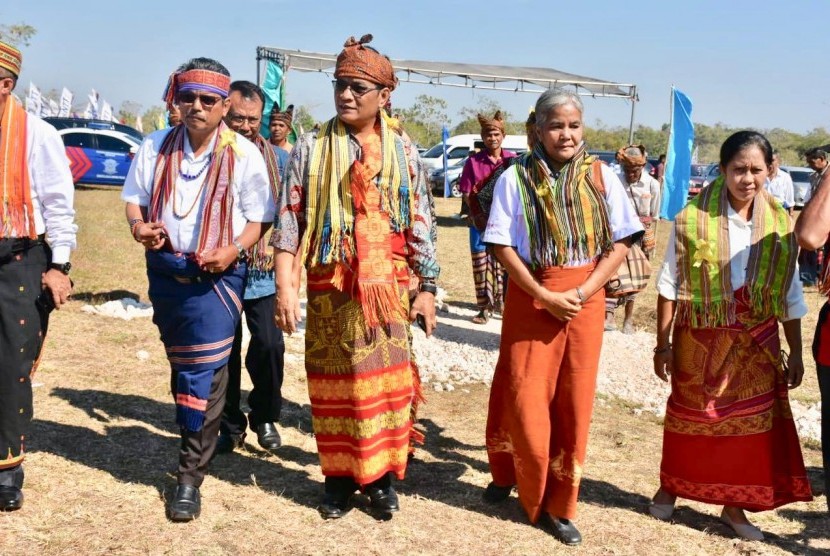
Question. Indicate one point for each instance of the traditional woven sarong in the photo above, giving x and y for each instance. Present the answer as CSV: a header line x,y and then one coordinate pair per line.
x,y
487,277
197,314
361,382
729,436
23,323
542,396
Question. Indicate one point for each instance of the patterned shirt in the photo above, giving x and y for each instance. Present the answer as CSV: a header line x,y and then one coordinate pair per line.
x,y
290,220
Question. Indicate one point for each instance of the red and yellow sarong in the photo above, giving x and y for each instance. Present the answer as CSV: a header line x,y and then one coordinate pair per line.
x,y
542,396
729,436
361,382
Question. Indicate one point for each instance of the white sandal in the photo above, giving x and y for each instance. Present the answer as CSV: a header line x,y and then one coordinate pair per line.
x,y
663,512
743,530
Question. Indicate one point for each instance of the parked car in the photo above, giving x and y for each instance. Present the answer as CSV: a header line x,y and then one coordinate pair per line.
x,y
697,177
98,156
436,178
801,183
711,175
461,146
65,123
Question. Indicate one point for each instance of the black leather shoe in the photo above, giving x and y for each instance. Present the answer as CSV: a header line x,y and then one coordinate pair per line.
x,y
383,499
495,494
562,530
11,498
186,504
227,443
334,506
268,436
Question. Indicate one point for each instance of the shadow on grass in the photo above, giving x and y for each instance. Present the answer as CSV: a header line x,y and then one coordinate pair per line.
x,y
101,297
135,454
451,221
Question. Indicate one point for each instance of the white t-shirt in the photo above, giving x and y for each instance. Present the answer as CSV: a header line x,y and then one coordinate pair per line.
x,y
644,194
251,191
781,187
740,240
506,225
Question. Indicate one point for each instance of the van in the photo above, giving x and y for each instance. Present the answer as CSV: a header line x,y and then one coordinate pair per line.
x,y
461,146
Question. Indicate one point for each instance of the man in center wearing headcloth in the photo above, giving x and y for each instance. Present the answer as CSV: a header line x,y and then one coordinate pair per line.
x,y
487,272
266,349
644,194
198,197
280,127
355,208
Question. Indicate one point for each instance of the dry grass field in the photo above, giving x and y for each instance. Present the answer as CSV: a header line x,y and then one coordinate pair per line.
x,y
103,450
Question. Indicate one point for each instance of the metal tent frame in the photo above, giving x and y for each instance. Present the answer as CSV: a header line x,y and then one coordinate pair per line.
x,y
475,76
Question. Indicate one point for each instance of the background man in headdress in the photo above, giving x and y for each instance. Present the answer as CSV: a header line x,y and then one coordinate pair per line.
x,y
198,197
264,359
38,233
487,272
280,127
356,209
644,194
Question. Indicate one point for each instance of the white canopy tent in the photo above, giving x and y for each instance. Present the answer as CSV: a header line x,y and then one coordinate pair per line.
x,y
451,74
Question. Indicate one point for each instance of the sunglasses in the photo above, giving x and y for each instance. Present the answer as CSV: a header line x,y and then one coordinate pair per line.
x,y
357,89
207,101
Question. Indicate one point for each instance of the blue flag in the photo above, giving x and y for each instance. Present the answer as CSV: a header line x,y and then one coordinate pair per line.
x,y
274,93
445,136
679,157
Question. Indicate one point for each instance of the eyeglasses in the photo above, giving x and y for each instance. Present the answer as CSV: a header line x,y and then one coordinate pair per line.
x,y
357,89
207,101
236,119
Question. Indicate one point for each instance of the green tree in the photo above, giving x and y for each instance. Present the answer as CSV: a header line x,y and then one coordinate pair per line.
x,y
424,119
17,34
303,120
153,117
128,114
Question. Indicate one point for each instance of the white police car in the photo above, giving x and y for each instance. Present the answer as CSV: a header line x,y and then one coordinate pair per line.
x,y
98,156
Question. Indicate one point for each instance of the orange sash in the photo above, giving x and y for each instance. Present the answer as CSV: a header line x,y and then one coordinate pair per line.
x,y
14,173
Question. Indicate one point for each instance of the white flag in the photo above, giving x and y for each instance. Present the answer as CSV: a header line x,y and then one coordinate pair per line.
x,y
33,100
139,125
54,107
66,103
45,107
88,112
106,111
93,103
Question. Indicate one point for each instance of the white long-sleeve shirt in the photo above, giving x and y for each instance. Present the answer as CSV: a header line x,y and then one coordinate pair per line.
x,y
53,193
740,241
251,191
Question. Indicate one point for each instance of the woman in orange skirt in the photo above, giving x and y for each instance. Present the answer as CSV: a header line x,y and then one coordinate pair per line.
x,y
561,224
727,280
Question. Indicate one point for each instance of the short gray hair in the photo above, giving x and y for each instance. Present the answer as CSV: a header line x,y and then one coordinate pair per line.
x,y
552,99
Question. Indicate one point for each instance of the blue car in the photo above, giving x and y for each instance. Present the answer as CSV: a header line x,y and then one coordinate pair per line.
x,y
98,156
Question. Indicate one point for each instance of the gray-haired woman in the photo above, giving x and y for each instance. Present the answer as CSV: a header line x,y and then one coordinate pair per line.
x,y
561,224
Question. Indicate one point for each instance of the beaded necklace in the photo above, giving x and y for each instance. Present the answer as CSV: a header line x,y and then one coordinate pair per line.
x,y
190,177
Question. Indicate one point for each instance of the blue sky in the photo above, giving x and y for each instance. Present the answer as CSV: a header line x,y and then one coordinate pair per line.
x,y
760,63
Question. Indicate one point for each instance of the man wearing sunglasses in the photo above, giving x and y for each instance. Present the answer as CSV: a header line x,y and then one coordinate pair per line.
x,y
355,208
36,237
198,197
264,359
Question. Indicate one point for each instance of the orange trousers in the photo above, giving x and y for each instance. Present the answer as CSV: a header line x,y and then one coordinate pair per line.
x,y
542,396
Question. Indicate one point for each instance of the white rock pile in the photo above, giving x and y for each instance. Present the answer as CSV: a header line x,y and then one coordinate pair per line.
x,y
126,309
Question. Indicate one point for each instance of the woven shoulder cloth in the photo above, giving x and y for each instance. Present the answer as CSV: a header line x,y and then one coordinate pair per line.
x,y
565,213
704,284
480,198
17,209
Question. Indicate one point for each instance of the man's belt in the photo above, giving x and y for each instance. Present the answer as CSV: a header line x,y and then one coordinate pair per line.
x,y
11,246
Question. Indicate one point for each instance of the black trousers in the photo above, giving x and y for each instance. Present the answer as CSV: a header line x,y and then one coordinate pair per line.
x,y
808,266
265,361
23,324
197,448
824,388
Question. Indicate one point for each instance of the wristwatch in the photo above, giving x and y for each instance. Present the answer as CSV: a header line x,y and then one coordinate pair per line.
x,y
428,285
63,267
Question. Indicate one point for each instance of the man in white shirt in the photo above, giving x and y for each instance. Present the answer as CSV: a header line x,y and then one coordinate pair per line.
x,y
198,197
37,234
644,195
780,184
